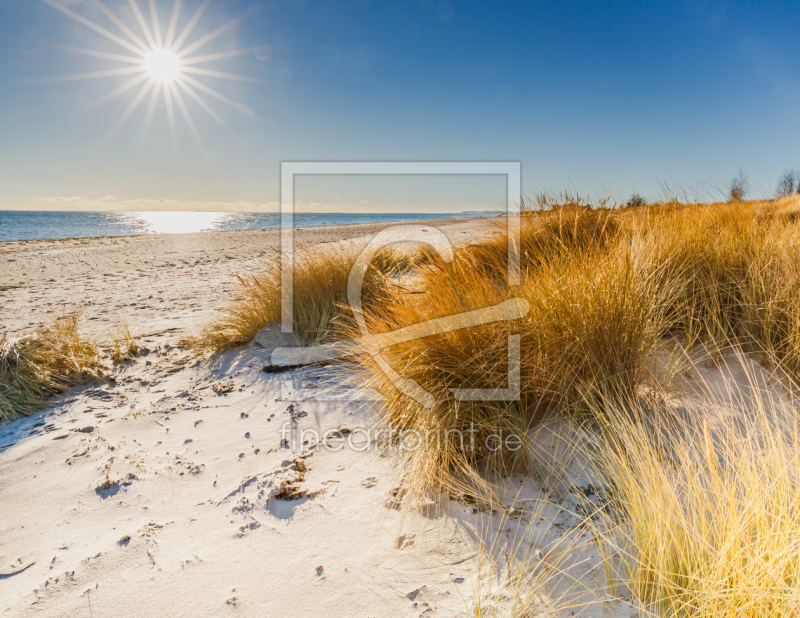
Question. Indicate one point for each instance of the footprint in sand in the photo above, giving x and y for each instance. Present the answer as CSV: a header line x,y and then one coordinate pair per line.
x,y
403,541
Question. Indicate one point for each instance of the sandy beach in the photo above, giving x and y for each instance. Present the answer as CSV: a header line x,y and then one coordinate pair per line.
x,y
191,485
163,285
158,492
574,390
149,497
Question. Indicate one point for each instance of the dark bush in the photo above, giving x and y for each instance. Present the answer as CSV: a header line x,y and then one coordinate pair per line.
x,y
738,188
635,200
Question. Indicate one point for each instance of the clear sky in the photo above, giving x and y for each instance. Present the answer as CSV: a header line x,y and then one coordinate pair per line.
x,y
598,97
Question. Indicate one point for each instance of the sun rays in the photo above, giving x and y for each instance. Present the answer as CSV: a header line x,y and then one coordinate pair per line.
x,y
162,63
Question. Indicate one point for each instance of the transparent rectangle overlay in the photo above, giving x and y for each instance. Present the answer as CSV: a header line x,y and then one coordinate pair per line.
x,y
373,344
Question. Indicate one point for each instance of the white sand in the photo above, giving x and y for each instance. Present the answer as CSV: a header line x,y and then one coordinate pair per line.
x,y
204,538
163,285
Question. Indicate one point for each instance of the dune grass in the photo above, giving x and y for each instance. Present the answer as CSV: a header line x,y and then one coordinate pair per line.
x,y
707,527
43,363
708,505
608,290
612,292
321,309
619,299
597,309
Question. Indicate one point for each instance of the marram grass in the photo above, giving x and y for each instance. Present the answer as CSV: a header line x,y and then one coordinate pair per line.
x,y
708,507
609,290
43,363
321,309
706,515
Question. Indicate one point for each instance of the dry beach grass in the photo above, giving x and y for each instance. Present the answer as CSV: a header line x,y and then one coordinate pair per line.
x,y
608,289
708,503
45,362
321,310
622,301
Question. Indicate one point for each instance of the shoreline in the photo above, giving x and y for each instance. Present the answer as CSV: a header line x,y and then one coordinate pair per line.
x,y
163,285
437,220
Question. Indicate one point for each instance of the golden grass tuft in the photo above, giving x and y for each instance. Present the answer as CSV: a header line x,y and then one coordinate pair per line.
x,y
608,290
321,310
124,346
708,504
43,363
597,310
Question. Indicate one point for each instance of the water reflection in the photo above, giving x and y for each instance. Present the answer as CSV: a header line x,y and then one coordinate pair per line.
x,y
176,222
36,225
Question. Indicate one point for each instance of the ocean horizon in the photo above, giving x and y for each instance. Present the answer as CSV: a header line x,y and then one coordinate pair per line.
x,y
18,225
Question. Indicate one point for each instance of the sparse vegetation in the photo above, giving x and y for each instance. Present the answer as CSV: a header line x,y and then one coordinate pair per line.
x,y
524,570
124,346
789,184
737,190
635,200
43,363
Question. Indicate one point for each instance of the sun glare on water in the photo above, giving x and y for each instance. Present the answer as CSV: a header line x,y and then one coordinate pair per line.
x,y
160,61
165,222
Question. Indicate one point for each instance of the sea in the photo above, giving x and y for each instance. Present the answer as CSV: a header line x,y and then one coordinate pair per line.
x,y
43,225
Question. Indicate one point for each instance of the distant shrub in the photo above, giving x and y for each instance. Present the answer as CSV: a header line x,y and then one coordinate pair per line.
x,y
565,199
636,200
789,184
738,188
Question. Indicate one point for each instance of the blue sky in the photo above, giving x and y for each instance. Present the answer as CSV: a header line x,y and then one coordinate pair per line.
x,y
602,98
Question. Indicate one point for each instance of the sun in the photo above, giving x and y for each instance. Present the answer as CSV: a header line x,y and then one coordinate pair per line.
x,y
163,65
160,61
